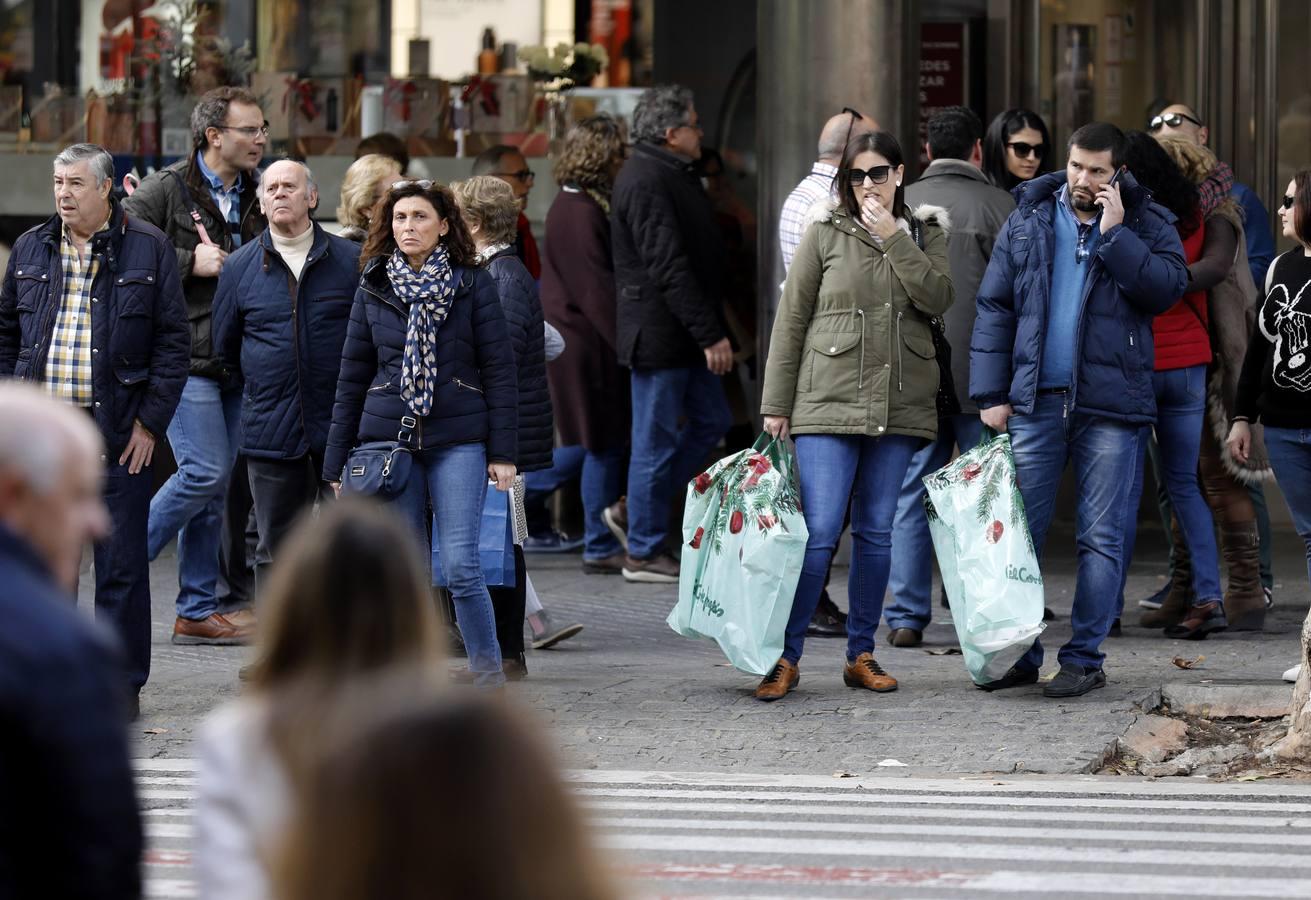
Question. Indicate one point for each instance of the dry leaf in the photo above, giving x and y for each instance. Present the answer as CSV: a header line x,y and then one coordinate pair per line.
x,y
845,775
1255,776
155,730
1188,663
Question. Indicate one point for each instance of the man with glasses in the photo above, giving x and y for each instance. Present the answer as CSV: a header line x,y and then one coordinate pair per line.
x,y
508,164
1061,357
818,185
207,205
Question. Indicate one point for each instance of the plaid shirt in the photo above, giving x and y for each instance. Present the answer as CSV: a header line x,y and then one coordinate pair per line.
x,y
816,186
228,200
68,366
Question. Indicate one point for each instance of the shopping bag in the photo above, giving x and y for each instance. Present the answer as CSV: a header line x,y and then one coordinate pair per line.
x,y
744,539
986,556
495,542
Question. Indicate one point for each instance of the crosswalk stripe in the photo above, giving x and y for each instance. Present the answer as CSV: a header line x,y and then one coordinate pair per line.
x,y
167,764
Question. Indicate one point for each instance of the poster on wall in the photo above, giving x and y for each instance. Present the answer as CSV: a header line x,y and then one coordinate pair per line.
x,y
944,78
455,28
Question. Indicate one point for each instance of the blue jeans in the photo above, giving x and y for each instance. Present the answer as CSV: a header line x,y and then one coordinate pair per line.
x,y
1290,457
205,435
1105,456
122,570
911,577
602,484
1180,420
665,455
454,480
830,465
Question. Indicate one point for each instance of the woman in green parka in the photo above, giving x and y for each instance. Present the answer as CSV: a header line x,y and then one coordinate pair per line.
x,y
853,377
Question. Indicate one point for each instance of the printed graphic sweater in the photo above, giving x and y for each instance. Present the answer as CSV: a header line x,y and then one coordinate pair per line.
x,y
1275,385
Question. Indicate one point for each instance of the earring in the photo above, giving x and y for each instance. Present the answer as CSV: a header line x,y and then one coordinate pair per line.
x,y
898,184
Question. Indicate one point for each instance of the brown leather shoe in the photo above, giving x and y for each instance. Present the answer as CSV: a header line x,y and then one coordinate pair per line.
x,y
605,565
781,679
242,618
217,629
866,673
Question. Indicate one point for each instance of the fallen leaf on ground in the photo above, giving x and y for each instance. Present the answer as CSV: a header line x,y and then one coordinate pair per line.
x,y
1188,663
891,762
155,730
845,775
1255,776
943,651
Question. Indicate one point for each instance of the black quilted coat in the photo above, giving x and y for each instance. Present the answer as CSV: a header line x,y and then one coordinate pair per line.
x,y
523,321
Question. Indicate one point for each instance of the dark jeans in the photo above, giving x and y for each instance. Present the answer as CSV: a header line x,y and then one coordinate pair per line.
x,y
1290,457
280,490
1104,454
602,484
123,569
238,542
508,609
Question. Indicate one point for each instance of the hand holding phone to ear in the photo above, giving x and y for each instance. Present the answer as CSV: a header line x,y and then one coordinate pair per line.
x,y
1112,204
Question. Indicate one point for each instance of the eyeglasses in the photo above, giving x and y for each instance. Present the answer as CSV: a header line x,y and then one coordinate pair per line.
x,y
878,175
522,174
423,184
1174,120
248,131
1025,151
1288,201
852,124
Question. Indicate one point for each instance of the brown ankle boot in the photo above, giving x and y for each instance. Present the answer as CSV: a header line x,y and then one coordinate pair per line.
x,y
1245,599
1176,603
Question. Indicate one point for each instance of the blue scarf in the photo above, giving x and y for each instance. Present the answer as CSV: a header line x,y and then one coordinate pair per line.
x,y
428,293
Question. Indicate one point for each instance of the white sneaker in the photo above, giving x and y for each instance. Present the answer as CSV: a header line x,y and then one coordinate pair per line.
x,y
1291,674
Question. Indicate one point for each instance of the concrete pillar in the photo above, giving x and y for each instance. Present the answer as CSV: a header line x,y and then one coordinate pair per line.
x,y
813,58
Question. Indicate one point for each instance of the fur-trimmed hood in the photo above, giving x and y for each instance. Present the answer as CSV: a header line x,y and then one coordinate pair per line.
x,y
823,210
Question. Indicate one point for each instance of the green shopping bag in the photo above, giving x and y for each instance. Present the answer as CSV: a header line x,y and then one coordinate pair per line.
x,y
986,556
744,540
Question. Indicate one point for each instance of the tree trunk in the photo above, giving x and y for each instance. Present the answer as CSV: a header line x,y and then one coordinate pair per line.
x,y
1296,745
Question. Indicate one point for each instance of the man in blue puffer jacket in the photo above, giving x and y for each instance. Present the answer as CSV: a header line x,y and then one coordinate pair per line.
x,y
1061,357
280,315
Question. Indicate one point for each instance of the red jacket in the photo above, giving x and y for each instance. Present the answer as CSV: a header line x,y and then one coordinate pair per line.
x,y
1182,334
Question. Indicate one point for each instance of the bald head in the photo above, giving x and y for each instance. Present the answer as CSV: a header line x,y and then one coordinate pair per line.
x,y
833,137
50,477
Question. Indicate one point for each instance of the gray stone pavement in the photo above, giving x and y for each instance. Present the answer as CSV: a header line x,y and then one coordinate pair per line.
x,y
628,693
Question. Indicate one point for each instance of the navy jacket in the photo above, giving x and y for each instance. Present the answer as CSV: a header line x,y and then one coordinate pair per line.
x,y
669,261
1137,272
68,816
477,395
141,344
283,337
523,320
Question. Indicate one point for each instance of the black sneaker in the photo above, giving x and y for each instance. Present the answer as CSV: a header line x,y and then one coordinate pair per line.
x,y
828,620
1014,678
1074,681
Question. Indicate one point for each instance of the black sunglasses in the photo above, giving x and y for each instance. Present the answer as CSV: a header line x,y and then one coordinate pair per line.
x,y
1288,201
1174,120
1023,150
852,124
423,184
878,175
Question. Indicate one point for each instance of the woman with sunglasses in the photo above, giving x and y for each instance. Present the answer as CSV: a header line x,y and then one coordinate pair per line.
x,y
428,362
1275,385
852,373
1016,148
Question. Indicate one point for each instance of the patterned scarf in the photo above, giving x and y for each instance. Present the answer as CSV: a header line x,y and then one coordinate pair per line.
x,y
428,293
1215,189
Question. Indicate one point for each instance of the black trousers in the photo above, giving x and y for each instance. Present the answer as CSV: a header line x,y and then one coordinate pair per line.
x,y
237,541
508,608
281,490
122,569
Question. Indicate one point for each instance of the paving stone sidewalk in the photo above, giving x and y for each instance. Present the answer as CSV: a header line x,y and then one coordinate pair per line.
x,y
628,693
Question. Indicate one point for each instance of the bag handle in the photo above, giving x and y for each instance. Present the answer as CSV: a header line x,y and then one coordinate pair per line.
x,y
988,434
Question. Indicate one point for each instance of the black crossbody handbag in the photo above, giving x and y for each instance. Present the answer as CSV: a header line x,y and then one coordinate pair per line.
x,y
381,468
947,401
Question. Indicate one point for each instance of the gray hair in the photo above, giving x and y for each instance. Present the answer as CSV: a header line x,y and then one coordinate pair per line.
x,y
309,176
99,159
38,434
212,111
488,202
661,108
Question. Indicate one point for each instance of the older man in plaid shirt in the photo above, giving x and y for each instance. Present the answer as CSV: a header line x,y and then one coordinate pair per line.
x,y
91,308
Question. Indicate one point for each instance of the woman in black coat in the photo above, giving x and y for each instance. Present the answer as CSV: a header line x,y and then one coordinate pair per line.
x,y
428,362
578,296
490,210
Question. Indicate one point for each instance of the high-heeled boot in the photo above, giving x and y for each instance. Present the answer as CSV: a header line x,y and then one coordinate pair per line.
x,y
1176,603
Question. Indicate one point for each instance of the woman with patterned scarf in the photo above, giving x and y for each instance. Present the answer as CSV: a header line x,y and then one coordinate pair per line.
x,y
428,362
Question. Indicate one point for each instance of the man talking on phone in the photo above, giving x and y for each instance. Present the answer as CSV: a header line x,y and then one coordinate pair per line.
x,y
1061,357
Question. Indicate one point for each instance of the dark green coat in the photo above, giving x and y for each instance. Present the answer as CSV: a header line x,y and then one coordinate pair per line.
x,y
851,351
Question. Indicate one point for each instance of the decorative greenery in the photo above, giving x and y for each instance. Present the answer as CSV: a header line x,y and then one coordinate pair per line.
x,y
567,66
181,59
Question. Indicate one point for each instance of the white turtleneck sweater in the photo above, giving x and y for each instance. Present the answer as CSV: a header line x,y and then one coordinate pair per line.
x,y
294,250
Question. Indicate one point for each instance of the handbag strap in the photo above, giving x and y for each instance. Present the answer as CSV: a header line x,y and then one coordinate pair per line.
x,y
405,436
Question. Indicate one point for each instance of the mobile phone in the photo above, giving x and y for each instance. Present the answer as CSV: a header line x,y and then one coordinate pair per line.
x,y
1116,177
